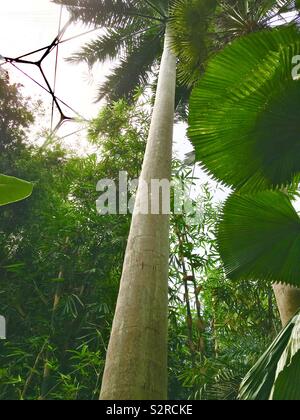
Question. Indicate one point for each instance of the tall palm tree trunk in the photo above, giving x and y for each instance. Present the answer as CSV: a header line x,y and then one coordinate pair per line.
x,y
288,301
136,363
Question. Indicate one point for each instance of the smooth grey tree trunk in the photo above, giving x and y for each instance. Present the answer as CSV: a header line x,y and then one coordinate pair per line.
x,y
288,301
136,362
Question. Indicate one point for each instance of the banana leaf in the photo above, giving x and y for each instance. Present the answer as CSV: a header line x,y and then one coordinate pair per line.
x,y
13,189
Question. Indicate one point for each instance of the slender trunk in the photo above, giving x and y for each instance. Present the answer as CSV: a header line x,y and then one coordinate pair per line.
x,y
189,317
47,372
200,322
136,363
33,371
288,301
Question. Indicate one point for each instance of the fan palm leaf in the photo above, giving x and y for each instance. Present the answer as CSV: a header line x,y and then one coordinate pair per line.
x,y
241,17
244,113
259,237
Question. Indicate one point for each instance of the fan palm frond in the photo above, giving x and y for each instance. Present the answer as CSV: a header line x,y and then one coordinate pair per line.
x,y
244,113
259,238
241,17
110,13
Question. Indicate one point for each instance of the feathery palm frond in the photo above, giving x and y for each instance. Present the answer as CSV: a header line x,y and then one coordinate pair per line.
x,y
223,386
132,36
244,113
125,24
133,70
111,45
111,13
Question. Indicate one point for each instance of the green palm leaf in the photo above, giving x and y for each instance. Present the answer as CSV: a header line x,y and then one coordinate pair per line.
x,y
110,13
287,386
133,32
13,189
107,46
240,17
133,70
276,375
259,237
190,21
244,113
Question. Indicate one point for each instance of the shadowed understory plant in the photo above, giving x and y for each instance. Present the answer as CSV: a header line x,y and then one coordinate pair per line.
x,y
276,375
141,34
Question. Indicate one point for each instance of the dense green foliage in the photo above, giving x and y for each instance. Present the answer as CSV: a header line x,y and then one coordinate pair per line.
x,y
134,34
215,325
60,267
243,118
13,189
61,264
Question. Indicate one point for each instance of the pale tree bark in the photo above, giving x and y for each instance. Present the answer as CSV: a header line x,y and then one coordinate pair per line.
x,y
288,301
136,363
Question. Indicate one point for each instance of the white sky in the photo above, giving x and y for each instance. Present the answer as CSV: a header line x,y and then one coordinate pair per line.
x,y
26,25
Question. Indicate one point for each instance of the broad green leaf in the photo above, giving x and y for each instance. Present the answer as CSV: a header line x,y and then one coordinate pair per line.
x,y
259,382
245,111
259,238
287,385
13,189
